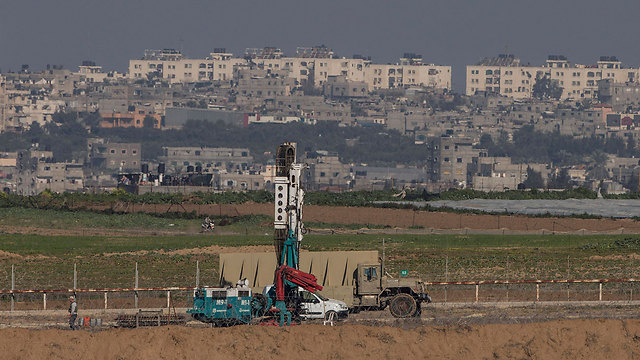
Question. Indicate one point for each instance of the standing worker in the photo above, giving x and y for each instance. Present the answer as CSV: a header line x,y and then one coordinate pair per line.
x,y
73,313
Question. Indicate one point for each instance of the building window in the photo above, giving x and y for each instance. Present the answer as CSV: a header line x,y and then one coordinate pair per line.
x,y
459,160
124,151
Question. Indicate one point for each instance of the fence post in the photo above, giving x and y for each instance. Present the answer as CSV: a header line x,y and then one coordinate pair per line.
x,y
507,277
105,300
13,286
477,288
44,301
136,287
168,299
75,277
446,276
198,273
568,277
538,292
600,295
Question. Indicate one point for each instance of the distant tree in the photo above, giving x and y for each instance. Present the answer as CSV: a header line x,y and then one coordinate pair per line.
x,y
561,180
633,183
615,145
486,142
534,179
545,88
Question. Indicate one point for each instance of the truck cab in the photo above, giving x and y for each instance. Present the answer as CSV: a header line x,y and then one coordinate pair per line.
x,y
375,290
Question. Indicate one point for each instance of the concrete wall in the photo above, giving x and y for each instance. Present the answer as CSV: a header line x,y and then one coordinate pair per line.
x,y
333,269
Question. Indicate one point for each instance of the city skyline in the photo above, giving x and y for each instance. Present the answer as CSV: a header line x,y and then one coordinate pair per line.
x,y
452,33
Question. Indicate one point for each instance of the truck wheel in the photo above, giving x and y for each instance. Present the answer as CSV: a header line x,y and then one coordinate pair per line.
x,y
402,306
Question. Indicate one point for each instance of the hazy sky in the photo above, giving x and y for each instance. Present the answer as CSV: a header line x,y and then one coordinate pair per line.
x,y
456,32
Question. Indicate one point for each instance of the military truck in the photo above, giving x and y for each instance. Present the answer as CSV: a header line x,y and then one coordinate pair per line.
x,y
374,290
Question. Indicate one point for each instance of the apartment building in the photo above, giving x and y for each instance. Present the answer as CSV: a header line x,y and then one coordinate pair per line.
x,y
310,65
452,161
499,174
262,84
38,172
410,71
102,154
315,64
339,87
326,172
179,159
170,65
21,108
239,181
505,75
621,96
92,73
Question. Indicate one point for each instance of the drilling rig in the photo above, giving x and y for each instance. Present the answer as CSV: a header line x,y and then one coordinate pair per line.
x,y
231,306
288,234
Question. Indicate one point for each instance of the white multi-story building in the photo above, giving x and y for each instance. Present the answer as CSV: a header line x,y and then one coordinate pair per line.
x,y
314,64
170,65
92,73
505,75
410,71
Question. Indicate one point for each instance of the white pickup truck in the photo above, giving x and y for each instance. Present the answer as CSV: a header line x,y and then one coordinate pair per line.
x,y
316,306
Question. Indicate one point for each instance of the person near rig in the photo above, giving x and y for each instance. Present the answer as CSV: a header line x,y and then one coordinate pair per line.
x,y
73,313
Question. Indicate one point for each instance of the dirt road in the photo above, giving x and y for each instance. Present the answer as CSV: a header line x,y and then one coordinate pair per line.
x,y
404,218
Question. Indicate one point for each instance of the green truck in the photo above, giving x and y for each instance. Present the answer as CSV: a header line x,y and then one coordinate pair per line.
x,y
374,290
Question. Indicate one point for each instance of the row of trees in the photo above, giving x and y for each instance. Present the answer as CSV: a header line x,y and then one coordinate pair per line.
x,y
529,145
66,136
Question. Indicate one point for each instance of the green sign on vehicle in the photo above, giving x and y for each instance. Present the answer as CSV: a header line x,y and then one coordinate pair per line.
x,y
403,272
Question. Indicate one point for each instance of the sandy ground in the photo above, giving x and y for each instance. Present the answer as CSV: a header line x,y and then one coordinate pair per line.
x,y
567,339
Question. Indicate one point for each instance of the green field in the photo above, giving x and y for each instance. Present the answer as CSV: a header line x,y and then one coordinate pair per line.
x,y
168,222
108,261
107,257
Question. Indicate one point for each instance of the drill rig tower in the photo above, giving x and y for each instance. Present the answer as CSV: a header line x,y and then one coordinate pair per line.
x,y
288,206
288,233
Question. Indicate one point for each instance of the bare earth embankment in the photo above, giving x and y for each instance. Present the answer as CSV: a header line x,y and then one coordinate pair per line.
x,y
569,339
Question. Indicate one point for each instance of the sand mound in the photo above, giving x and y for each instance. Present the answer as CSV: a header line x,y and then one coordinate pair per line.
x,y
576,339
